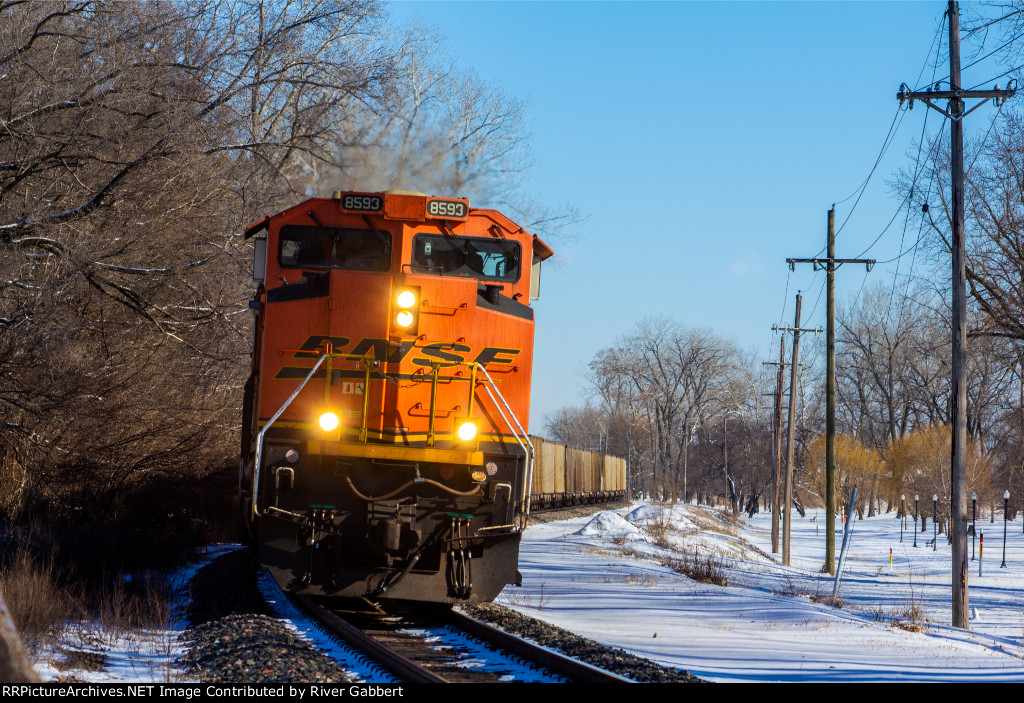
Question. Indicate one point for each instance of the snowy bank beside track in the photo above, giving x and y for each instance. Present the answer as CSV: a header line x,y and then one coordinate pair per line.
x,y
604,577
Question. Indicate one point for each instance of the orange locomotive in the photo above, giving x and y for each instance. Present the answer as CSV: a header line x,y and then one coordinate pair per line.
x,y
384,444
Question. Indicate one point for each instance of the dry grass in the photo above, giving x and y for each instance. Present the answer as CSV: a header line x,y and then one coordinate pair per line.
x,y
529,597
135,604
38,601
790,589
662,530
52,608
700,568
713,521
597,551
827,599
910,617
818,595
642,579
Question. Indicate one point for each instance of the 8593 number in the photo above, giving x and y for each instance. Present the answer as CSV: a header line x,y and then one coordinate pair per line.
x,y
371,203
446,208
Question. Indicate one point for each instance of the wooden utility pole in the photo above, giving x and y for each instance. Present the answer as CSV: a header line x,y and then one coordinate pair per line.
x,y
778,445
958,454
787,508
777,441
830,263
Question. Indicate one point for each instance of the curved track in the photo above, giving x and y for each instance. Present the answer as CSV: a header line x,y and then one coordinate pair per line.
x,y
438,645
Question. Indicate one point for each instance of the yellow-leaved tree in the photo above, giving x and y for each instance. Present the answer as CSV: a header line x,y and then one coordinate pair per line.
x,y
857,466
919,464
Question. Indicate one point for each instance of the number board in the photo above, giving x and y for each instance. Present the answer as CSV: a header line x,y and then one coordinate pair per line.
x,y
362,202
447,209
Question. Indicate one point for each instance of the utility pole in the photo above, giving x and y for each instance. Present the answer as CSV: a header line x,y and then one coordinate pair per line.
x,y
777,442
830,263
787,509
958,454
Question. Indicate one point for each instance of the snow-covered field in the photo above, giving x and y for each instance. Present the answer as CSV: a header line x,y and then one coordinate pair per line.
x,y
602,577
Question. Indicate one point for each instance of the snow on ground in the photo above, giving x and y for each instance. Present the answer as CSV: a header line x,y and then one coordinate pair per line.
x,y
128,657
604,577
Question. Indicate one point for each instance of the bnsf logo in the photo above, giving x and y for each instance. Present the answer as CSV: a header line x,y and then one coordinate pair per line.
x,y
446,208
440,354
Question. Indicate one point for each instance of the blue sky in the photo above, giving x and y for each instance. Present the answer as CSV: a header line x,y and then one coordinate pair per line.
x,y
706,143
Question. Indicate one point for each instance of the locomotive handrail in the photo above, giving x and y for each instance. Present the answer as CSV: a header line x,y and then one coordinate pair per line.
x,y
529,451
263,432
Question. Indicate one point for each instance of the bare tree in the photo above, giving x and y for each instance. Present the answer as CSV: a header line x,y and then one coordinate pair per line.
x,y
136,142
447,132
675,379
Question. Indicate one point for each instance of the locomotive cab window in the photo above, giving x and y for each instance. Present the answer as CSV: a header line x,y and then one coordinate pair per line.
x,y
474,257
334,247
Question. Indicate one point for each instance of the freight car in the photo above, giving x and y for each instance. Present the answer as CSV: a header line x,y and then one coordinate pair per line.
x,y
384,438
565,477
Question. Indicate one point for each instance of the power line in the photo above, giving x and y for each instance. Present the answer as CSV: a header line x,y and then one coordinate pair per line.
x,y
818,299
937,42
995,78
928,190
896,121
904,252
999,48
918,167
978,60
910,193
992,22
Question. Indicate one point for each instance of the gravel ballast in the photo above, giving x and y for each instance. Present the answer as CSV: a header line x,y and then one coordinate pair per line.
x,y
610,659
232,637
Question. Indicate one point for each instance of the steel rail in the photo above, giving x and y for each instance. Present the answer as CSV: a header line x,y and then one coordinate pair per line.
x,y
572,669
388,659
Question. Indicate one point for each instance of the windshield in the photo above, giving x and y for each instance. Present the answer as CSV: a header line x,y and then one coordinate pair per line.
x,y
334,247
475,257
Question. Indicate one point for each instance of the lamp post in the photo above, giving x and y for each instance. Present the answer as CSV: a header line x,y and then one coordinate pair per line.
x,y
974,521
903,514
1006,507
915,520
935,522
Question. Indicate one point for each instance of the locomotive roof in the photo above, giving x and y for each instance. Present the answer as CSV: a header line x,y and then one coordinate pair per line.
x,y
540,249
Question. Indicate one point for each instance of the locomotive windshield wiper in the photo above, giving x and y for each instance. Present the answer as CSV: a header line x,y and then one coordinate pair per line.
x,y
386,241
446,230
509,252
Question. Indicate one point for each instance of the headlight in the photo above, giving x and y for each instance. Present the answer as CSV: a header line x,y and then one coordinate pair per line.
x,y
406,299
328,421
291,456
405,310
467,431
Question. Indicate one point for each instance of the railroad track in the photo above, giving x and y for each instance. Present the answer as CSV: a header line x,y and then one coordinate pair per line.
x,y
438,645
